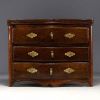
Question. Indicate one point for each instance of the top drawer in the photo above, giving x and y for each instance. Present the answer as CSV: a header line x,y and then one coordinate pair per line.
x,y
29,34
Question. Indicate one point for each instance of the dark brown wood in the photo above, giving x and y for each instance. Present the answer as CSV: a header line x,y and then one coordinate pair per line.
x,y
10,30
20,71
51,21
44,54
43,34
91,57
50,69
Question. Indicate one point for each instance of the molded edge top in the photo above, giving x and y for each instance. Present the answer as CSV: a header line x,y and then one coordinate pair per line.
x,y
51,21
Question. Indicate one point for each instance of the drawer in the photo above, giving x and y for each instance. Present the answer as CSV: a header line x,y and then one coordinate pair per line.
x,y
51,70
50,34
47,54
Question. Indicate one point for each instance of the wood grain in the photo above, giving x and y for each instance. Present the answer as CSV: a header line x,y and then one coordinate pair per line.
x,y
44,54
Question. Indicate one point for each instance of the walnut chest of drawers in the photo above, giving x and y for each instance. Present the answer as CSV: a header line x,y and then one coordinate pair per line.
x,y
50,51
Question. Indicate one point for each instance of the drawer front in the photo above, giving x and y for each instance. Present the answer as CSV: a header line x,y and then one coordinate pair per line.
x,y
30,71
49,54
71,71
51,70
66,35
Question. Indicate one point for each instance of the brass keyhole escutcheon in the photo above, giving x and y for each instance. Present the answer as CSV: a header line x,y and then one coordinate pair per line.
x,y
52,54
51,71
51,35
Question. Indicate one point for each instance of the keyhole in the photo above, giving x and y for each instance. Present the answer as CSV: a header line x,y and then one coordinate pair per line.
x,y
51,35
52,54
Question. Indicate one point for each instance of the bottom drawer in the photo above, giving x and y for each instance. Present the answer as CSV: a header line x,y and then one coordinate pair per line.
x,y
30,71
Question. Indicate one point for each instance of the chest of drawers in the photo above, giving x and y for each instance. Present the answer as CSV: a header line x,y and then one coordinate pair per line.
x,y
50,51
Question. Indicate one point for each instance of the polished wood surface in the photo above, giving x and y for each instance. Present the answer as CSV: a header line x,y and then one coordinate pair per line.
x,y
51,40
43,34
80,22
44,54
20,71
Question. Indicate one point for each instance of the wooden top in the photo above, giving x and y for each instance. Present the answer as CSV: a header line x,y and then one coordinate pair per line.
x,y
52,21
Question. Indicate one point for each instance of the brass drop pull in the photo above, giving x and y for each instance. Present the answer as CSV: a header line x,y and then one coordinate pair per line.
x,y
69,70
33,54
52,54
69,54
69,35
51,35
31,35
51,71
32,70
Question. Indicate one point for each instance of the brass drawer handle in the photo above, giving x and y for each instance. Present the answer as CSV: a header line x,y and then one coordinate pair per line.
x,y
32,70
31,35
33,54
51,35
69,35
51,71
52,54
69,70
69,54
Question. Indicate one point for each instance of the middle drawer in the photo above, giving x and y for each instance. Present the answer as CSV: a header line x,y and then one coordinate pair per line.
x,y
47,54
